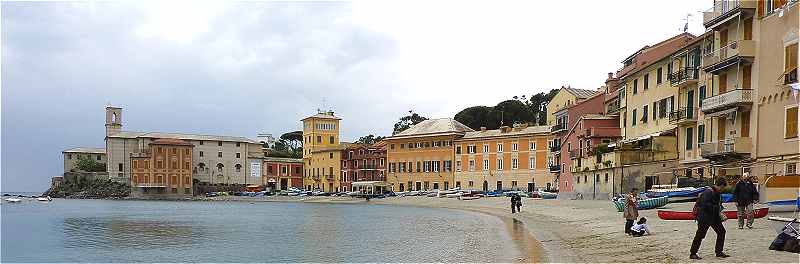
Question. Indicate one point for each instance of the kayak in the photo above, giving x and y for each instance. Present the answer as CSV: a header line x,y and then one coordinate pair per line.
x,y
689,215
644,204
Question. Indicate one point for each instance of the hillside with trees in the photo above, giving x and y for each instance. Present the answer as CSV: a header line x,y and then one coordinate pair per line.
x,y
519,109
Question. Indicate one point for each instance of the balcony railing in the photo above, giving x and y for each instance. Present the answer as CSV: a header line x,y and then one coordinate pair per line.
x,y
555,168
726,8
684,76
729,99
555,148
716,61
683,115
738,145
558,128
790,77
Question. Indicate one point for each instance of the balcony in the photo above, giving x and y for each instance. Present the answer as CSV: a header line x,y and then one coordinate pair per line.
x,y
724,9
561,127
555,168
684,115
684,76
575,153
555,148
728,55
790,77
730,99
315,177
329,177
727,149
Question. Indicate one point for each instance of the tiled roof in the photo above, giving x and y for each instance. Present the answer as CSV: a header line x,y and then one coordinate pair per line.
x,y
433,127
581,93
85,150
513,132
170,141
651,54
132,134
283,160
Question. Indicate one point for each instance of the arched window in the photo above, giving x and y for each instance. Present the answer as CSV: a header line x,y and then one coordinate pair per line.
x,y
238,167
219,167
114,118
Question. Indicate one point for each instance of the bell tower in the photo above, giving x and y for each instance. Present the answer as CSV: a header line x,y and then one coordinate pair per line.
x,y
113,120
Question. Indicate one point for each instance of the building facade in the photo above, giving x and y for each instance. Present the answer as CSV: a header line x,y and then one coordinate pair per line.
x,y
421,157
164,170
282,173
508,158
71,156
592,162
573,113
322,152
361,163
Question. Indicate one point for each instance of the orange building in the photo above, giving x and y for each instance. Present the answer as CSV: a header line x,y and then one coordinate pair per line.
x,y
504,159
163,170
421,157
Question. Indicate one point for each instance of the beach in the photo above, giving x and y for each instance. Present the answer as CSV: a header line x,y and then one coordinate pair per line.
x,y
592,231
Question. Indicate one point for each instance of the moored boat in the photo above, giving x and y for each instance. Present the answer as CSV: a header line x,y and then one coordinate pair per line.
x,y
644,204
13,200
788,205
689,215
454,195
44,199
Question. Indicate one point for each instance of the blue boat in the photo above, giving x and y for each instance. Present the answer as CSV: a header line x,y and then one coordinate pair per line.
x,y
678,195
726,197
789,205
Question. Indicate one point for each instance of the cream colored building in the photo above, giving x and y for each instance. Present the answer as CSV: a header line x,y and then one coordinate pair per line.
x,y
71,156
215,159
322,152
508,158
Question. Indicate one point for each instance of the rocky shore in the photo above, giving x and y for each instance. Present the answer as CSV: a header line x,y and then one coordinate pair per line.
x,y
95,189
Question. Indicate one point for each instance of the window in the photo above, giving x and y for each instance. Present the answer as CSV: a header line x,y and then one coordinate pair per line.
x,y
644,114
319,139
219,154
790,122
219,143
514,163
655,107
201,153
500,164
701,134
606,180
331,140
658,76
458,149
98,157
471,149
702,95
635,85
532,162
238,155
791,169
238,144
633,118
238,167
486,164
514,146
485,148
219,167
120,167
69,156
790,64
499,147
646,81
330,155
689,141
533,145
201,142
471,165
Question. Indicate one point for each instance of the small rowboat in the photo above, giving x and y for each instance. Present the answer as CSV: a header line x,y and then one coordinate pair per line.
x,y
678,195
644,204
467,198
689,215
547,195
784,205
454,195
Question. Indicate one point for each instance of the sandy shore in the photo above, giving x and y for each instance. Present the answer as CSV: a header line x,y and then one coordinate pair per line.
x,y
592,231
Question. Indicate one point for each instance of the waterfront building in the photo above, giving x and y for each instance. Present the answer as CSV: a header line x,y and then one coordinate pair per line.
x,y
321,152
282,173
215,159
72,155
592,160
163,170
558,119
571,115
363,163
648,149
508,158
421,157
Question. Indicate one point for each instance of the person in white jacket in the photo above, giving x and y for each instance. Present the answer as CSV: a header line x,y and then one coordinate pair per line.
x,y
640,228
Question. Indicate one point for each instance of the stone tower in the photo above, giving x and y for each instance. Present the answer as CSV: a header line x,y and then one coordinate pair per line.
x,y
113,120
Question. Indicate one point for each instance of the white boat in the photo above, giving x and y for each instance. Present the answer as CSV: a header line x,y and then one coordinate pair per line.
x,y
13,200
471,197
412,193
454,195
44,199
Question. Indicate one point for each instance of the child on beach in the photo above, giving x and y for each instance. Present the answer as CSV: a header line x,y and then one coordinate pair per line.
x,y
640,228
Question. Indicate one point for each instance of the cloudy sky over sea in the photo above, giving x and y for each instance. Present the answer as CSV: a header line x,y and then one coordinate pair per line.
x,y
242,68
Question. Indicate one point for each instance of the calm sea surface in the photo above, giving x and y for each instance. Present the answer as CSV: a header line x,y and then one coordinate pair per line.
x,y
162,231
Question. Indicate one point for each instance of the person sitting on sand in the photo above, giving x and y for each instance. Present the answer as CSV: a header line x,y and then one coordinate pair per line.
x,y
640,228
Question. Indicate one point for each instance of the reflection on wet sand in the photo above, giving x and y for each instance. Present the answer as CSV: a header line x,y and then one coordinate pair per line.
x,y
108,233
524,241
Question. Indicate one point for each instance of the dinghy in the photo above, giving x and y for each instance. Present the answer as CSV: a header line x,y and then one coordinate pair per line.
x,y
689,215
644,204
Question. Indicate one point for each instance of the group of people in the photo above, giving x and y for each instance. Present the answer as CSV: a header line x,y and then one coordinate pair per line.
x,y
707,210
516,203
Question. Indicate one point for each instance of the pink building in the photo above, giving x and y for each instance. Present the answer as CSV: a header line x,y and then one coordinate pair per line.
x,y
593,105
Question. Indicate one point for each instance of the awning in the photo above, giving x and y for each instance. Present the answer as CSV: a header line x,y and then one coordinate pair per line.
x,y
660,133
723,112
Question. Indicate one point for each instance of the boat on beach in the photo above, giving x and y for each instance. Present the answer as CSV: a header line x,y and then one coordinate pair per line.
x,y
788,205
44,199
643,204
547,195
13,200
677,195
689,215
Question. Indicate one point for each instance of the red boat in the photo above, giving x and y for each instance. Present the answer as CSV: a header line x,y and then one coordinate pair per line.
x,y
689,215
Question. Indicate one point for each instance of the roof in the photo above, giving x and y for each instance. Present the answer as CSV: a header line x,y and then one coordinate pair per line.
x,y
85,150
132,134
170,141
514,132
580,93
328,115
648,55
433,127
283,160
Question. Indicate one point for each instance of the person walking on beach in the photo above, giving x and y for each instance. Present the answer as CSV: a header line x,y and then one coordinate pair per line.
x,y
519,202
516,201
708,214
745,195
631,212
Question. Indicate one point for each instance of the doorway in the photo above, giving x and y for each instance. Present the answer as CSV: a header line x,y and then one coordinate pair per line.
x,y
531,186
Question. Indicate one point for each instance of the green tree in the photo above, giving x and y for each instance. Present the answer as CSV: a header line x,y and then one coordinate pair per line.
x,y
369,139
476,117
513,111
90,165
407,121
293,140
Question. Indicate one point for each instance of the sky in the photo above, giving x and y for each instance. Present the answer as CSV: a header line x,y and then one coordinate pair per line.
x,y
243,68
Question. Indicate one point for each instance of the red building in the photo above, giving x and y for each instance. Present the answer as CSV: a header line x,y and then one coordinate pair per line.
x,y
593,105
363,163
282,173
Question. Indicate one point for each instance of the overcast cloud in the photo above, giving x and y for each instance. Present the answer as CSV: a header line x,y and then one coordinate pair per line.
x,y
246,68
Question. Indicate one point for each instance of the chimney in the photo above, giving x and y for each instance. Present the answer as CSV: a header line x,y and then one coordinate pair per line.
x,y
483,129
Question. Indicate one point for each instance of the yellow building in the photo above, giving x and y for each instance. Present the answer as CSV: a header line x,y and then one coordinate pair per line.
x,y
565,97
321,152
504,159
421,157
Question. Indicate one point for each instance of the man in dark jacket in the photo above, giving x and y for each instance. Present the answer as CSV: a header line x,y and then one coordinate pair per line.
x,y
745,194
708,208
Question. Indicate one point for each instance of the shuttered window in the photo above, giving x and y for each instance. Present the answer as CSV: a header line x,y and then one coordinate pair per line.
x,y
791,122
